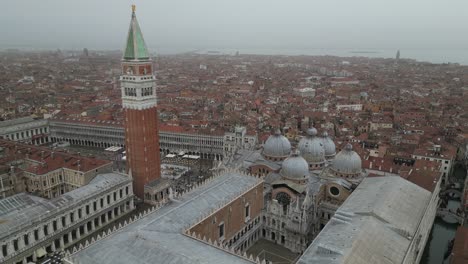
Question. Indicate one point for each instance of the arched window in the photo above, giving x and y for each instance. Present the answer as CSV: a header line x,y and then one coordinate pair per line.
x,y
283,198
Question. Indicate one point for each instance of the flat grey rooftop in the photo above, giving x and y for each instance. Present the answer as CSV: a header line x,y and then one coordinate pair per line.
x,y
158,238
16,121
374,225
19,211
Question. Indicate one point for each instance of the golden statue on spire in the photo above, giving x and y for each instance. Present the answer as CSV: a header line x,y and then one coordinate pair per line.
x,y
133,8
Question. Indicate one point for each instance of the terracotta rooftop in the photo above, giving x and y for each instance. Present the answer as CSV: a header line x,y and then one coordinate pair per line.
x,y
460,246
43,160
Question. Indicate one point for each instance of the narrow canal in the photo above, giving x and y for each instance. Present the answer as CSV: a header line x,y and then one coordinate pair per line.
x,y
439,239
442,232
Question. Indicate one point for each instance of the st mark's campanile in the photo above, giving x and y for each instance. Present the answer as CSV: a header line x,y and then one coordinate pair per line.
x,y
139,103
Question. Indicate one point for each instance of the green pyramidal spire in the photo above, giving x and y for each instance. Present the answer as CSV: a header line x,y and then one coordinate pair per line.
x,y
136,47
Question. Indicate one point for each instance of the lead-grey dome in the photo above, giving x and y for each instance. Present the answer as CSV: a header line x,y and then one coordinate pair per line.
x,y
311,147
328,145
347,161
277,146
295,167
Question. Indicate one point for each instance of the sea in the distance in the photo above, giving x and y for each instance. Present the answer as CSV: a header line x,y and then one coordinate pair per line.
x,y
425,55
459,56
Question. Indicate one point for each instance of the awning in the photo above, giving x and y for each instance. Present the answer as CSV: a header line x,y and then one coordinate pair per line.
x,y
40,252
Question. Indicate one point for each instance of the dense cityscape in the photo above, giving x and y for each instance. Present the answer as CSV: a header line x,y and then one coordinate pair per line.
x,y
204,157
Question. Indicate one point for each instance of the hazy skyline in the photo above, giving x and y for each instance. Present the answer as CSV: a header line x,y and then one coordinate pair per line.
x,y
209,24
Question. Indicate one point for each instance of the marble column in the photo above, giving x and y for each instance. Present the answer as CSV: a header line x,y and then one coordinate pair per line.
x,y
67,219
41,233
70,237
62,242
59,223
20,242
10,248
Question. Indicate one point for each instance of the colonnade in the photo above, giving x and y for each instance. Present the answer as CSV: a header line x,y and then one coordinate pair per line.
x,y
67,228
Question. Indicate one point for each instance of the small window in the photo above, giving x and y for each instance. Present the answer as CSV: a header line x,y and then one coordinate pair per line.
x,y
221,230
247,212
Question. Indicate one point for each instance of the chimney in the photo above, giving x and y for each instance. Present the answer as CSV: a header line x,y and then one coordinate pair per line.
x,y
52,155
79,165
42,155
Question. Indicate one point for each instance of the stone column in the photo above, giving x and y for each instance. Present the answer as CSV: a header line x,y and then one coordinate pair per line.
x,y
112,214
34,256
85,228
52,246
67,219
70,237
31,239
59,223
50,227
62,242
25,261
41,233
10,248
78,235
99,221
106,218
20,242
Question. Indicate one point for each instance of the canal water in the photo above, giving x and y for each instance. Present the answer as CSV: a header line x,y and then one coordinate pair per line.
x,y
442,233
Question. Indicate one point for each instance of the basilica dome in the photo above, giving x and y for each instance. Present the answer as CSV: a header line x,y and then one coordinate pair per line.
x,y
347,162
328,145
277,146
295,167
311,148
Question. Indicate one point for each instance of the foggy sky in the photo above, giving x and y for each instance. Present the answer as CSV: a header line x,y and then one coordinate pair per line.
x,y
209,24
